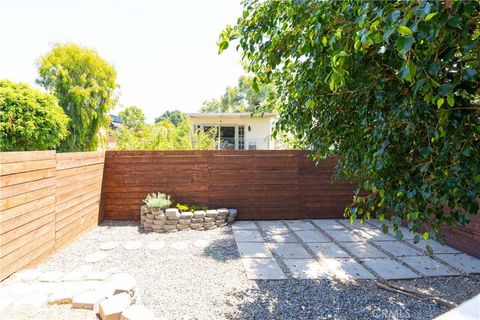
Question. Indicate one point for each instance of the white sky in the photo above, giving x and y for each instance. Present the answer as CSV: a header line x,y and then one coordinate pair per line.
x,y
164,51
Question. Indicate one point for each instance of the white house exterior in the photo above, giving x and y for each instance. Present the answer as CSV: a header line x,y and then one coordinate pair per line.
x,y
238,131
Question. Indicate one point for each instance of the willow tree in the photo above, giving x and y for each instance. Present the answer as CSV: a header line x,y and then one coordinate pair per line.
x,y
391,87
84,85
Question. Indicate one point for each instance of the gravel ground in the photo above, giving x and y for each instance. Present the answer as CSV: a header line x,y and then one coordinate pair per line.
x,y
184,281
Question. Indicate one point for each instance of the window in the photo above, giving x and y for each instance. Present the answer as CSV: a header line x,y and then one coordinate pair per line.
x,y
241,137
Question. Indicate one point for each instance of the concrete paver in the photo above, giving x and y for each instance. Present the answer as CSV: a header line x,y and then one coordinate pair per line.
x,y
389,269
263,269
290,250
306,269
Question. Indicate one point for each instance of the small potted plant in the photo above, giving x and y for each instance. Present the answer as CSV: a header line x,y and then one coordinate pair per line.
x,y
157,202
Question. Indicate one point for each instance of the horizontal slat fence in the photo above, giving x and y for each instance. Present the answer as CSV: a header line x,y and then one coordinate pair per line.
x,y
47,200
260,184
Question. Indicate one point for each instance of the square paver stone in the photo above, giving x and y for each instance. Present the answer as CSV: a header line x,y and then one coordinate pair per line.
x,y
306,269
273,227
363,250
328,224
428,267
346,268
437,247
253,250
374,235
247,236
263,269
296,225
356,224
244,225
290,250
389,269
327,250
461,261
398,249
344,235
312,236
281,238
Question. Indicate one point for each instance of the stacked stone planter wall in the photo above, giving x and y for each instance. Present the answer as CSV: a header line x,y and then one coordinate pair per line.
x,y
172,220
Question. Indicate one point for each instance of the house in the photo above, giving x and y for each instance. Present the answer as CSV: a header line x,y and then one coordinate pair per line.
x,y
238,131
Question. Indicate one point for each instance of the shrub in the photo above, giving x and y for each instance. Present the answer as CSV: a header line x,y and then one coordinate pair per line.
x,y
29,119
158,201
182,207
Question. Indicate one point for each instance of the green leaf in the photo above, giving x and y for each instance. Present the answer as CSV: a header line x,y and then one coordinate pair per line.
x,y
429,250
324,41
387,34
425,236
430,16
404,44
469,74
440,102
404,30
384,228
450,99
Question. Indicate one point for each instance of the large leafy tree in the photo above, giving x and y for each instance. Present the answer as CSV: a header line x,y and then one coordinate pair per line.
x,y
132,117
29,119
391,87
243,97
85,86
174,116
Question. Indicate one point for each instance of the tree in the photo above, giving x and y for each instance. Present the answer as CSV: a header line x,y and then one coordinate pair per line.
x,y
164,135
84,85
175,117
29,119
390,87
244,97
132,117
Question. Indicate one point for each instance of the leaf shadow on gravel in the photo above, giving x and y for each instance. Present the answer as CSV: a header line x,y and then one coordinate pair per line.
x,y
222,249
330,299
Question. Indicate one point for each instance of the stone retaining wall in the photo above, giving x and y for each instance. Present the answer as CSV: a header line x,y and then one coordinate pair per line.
x,y
172,220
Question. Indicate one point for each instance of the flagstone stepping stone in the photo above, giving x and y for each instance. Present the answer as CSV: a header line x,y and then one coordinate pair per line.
x,y
428,267
122,282
273,227
179,245
327,250
137,312
344,235
156,245
247,236
281,238
97,275
109,245
201,244
290,250
51,276
462,262
89,300
346,268
363,250
28,275
328,224
389,269
374,235
253,250
244,225
297,225
398,249
133,245
112,308
73,276
66,294
95,257
311,236
306,269
263,269
437,247
32,300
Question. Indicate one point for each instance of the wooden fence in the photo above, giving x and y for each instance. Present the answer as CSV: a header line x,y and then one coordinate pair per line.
x,y
47,200
260,184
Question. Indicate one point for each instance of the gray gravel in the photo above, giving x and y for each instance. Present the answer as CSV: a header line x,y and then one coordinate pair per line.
x,y
181,281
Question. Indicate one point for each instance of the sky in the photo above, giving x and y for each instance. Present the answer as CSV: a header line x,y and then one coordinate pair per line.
x,y
164,51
